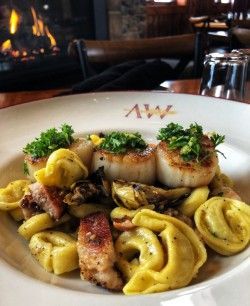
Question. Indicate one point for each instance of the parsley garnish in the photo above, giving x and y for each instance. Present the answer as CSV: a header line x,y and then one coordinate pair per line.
x,y
188,141
217,139
120,142
50,141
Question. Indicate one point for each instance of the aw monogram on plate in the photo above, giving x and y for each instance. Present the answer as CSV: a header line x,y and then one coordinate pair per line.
x,y
148,111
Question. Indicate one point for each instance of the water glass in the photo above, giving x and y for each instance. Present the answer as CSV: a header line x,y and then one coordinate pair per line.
x,y
224,75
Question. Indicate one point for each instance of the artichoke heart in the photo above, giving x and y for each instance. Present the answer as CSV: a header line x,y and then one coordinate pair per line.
x,y
134,195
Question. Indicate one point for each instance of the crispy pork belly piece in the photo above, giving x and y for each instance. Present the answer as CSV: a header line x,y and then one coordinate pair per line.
x,y
173,171
47,198
33,165
84,149
135,166
96,252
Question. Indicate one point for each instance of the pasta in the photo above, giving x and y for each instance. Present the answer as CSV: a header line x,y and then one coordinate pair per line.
x,y
55,251
11,195
122,212
186,254
224,224
62,169
197,197
35,224
158,237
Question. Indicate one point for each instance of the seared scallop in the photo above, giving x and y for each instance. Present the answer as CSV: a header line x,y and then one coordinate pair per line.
x,y
84,149
134,165
33,164
174,171
81,146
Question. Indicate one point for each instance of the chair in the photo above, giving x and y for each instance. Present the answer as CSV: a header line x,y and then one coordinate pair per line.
x,y
105,53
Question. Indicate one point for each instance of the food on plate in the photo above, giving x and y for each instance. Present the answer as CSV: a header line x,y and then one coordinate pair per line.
x,y
125,156
38,151
186,157
63,168
224,224
158,270
134,195
96,252
55,251
197,197
11,195
95,204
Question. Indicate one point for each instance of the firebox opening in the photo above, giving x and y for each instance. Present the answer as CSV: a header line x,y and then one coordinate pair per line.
x,y
34,36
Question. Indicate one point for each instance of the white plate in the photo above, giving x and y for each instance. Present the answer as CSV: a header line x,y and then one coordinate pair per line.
x,y
23,282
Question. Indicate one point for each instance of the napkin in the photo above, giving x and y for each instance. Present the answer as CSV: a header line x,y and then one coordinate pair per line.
x,y
132,75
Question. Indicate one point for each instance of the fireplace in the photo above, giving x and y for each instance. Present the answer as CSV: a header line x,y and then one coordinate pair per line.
x,y
34,35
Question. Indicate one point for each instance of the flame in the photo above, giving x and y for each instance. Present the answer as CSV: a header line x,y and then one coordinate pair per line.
x,y
14,21
39,29
6,45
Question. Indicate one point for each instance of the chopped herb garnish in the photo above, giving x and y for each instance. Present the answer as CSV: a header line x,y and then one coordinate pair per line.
x,y
120,142
188,141
49,141
217,139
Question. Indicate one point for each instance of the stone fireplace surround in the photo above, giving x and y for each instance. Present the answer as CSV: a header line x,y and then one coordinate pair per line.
x,y
126,19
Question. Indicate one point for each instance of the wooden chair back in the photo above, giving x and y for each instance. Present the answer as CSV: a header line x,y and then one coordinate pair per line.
x,y
117,51
111,52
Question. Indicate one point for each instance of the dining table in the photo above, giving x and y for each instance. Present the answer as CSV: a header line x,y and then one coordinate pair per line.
x,y
188,86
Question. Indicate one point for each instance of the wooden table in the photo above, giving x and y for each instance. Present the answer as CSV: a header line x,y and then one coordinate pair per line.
x,y
180,86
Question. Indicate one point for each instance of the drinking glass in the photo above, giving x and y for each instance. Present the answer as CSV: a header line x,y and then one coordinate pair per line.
x,y
224,75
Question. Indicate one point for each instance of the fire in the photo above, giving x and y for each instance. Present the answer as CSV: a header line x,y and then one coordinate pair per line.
x,y
6,45
39,29
14,21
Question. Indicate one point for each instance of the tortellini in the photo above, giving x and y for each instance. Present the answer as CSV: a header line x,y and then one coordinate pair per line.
x,y
122,212
55,251
224,224
63,168
155,270
197,197
35,224
12,194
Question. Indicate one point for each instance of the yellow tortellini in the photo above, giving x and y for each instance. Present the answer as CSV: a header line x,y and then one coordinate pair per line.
x,y
146,242
12,194
63,168
122,212
197,197
157,270
224,224
55,251
35,224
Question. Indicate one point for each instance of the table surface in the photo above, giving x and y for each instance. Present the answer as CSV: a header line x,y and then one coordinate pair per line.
x,y
179,86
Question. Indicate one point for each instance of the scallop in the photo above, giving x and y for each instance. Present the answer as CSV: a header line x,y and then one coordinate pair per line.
x,y
135,166
173,171
81,146
84,149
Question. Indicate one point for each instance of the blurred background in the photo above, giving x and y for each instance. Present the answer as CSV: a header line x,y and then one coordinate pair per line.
x,y
42,42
